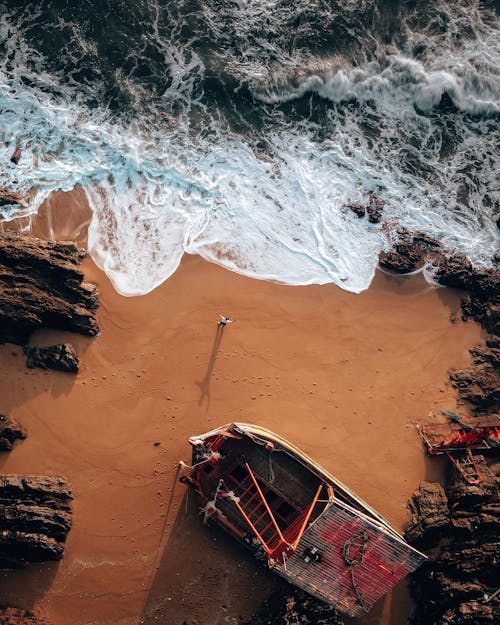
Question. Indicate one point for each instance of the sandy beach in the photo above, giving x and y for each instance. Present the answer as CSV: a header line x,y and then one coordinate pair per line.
x,y
344,377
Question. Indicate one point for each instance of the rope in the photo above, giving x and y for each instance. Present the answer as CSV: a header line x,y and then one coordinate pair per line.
x,y
359,540
232,497
209,508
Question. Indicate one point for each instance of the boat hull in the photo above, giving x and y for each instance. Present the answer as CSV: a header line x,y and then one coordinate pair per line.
x,y
289,511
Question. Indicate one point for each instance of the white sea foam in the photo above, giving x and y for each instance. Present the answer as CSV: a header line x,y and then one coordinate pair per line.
x,y
162,189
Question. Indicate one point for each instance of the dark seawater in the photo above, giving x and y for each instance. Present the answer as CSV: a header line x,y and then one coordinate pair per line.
x,y
239,130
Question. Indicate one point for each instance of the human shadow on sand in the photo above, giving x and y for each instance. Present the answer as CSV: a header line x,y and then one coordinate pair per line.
x,y
205,383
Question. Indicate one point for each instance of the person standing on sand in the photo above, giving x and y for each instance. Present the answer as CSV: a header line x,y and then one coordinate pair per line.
x,y
224,321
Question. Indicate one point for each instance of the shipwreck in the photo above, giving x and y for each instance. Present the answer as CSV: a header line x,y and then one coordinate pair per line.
x,y
294,515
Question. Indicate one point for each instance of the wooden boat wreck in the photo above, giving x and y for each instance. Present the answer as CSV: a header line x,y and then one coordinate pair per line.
x,y
460,438
309,527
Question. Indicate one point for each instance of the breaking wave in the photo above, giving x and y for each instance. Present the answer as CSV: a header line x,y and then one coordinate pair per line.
x,y
240,131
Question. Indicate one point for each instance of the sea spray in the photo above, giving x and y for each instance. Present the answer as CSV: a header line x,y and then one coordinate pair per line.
x,y
202,131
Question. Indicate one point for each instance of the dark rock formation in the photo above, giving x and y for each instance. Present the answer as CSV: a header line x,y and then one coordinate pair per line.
x,y
373,209
463,496
41,285
357,209
9,197
403,258
409,252
459,527
429,514
472,613
483,285
478,385
61,357
35,517
16,156
10,431
294,607
18,616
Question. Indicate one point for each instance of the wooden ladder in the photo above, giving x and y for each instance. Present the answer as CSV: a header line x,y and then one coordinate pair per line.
x,y
466,465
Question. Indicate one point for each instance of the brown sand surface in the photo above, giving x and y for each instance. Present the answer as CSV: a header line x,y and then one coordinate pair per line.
x,y
344,377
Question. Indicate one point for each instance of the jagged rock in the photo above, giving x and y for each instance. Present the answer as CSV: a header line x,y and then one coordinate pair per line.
x,y
464,496
373,209
7,196
429,514
493,341
41,285
483,301
35,517
474,559
491,319
409,251
463,567
472,613
486,355
19,616
294,607
403,258
16,156
479,385
457,271
357,209
60,357
10,431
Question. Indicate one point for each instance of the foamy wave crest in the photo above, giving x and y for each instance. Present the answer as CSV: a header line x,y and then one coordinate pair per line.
x,y
394,84
455,51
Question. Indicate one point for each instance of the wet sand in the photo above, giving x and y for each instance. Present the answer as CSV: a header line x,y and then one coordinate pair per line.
x,y
344,377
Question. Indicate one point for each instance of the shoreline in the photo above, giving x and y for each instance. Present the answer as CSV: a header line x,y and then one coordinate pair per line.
x,y
344,377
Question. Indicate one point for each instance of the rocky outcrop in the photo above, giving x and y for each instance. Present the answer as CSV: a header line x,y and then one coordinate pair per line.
x,y
373,209
16,156
483,286
429,514
35,517
7,196
294,607
18,616
459,529
60,357
42,286
404,257
409,252
479,385
10,432
482,300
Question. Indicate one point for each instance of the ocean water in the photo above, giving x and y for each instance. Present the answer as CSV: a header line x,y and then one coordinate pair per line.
x,y
240,129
